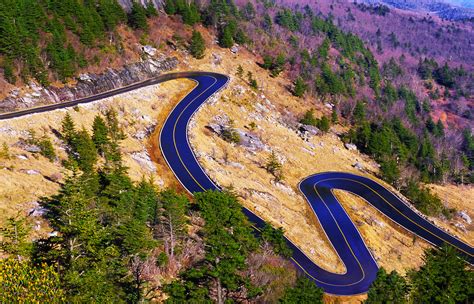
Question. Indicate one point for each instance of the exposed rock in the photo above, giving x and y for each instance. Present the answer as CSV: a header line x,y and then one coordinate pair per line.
x,y
149,50
31,172
216,59
307,131
329,106
284,188
463,214
221,119
236,165
358,166
55,177
372,221
460,227
84,77
251,141
22,144
216,128
127,4
265,196
37,210
350,147
144,160
309,151
234,49
37,226
311,145
90,84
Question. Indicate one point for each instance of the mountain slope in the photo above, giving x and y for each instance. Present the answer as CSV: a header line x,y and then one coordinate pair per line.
x,y
446,9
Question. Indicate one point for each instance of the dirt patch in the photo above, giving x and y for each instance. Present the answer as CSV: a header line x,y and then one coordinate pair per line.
x,y
153,144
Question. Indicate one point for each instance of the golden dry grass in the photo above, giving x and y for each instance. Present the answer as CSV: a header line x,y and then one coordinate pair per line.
x,y
137,110
282,204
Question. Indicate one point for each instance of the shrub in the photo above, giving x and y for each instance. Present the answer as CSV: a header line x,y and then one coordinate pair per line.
x,y
274,167
22,282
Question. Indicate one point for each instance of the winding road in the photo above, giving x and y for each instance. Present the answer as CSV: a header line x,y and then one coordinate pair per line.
x,y
361,267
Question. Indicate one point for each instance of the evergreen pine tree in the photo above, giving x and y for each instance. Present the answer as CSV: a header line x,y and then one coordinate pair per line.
x,y
85,151
300,87
173,220
68,129
197,46
226,38
334,116
324,124
137,17
47,148
248,11
439,130
100,134
443,278
15,238
191,14
5,151
150,9
170,7
387,288
8,72
240,71
305,291
359,113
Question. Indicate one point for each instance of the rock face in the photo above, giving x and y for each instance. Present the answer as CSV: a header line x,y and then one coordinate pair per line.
x,y
463,214
89,84
127,4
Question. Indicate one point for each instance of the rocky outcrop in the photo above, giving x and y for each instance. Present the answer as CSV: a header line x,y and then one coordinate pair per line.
x,y
88,84
127,4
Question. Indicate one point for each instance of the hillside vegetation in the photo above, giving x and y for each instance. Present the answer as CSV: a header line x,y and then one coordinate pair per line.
x,y
127,233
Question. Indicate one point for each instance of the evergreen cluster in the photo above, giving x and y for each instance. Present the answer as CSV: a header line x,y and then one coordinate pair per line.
x,y
443,75
187,10
442,279
323,123
274,65
396,148
197,46
54,35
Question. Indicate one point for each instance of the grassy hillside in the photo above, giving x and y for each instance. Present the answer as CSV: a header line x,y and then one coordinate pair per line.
x,y
118,218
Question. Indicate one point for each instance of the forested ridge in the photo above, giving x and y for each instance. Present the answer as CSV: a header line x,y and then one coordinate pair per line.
x,y
39,37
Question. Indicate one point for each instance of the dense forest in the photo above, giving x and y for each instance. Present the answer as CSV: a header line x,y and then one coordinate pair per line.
x,y
39,37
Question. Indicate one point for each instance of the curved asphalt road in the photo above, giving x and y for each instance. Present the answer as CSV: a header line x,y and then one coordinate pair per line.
x,y
340,230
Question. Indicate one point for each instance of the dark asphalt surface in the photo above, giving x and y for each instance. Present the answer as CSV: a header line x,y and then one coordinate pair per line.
x,y
339,228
